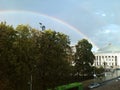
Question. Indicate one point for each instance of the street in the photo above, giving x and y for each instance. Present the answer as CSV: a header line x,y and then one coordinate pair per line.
x,y
110,85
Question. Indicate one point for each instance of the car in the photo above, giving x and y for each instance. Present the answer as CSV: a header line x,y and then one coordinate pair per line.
x,y
118,79
94,85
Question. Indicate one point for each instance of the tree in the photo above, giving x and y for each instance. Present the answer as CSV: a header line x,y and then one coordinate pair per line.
x,y
53,64
25,53
83,58
22,48
99,70
7,37
17,56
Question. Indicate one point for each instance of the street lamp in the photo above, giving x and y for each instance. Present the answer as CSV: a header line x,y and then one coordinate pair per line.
x,y
94,74
31,82
42,26
31,78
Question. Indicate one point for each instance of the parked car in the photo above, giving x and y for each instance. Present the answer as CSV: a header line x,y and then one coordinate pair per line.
x,y
118,79
93,85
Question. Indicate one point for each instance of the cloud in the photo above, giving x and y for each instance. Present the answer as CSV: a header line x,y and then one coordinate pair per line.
x,y
107,34
22,17
97,19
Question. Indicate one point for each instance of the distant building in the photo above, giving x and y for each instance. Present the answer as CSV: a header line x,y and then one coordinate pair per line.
x,y
108,57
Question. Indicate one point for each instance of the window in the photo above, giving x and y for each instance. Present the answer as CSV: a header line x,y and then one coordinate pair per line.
x,y
112,64
102,56
99,57
115,60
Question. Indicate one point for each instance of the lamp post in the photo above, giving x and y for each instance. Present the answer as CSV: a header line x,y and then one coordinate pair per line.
x,y
31,82
42,26
94,75
31,78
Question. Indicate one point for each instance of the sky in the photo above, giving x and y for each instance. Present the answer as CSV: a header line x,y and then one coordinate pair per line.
x,y
96,20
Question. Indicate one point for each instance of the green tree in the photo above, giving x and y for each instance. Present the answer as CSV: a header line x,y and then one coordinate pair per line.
x,y
7,37
22,48
83,58
99,70
17,56
53,65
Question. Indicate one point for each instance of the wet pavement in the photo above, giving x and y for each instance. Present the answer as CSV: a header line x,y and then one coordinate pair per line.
x,y
111,85
110,82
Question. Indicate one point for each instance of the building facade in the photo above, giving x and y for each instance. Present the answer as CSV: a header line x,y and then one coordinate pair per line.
x,y
108,57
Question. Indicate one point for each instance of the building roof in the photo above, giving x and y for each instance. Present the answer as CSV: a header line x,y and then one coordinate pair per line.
x,y
109,49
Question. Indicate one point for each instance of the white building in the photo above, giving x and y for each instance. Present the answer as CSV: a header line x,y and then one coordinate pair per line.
x,y
108,57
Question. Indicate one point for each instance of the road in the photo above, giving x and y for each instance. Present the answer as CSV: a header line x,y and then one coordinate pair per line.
x,y
110,85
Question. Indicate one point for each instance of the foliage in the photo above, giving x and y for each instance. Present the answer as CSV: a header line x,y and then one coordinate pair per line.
x,y
25,51
53,52
99,70
83,58
41,58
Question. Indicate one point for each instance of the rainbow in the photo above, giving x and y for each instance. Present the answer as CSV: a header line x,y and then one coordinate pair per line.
x,y
53,18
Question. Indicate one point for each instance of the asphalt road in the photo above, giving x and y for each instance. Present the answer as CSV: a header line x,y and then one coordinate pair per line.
x,y
110,85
